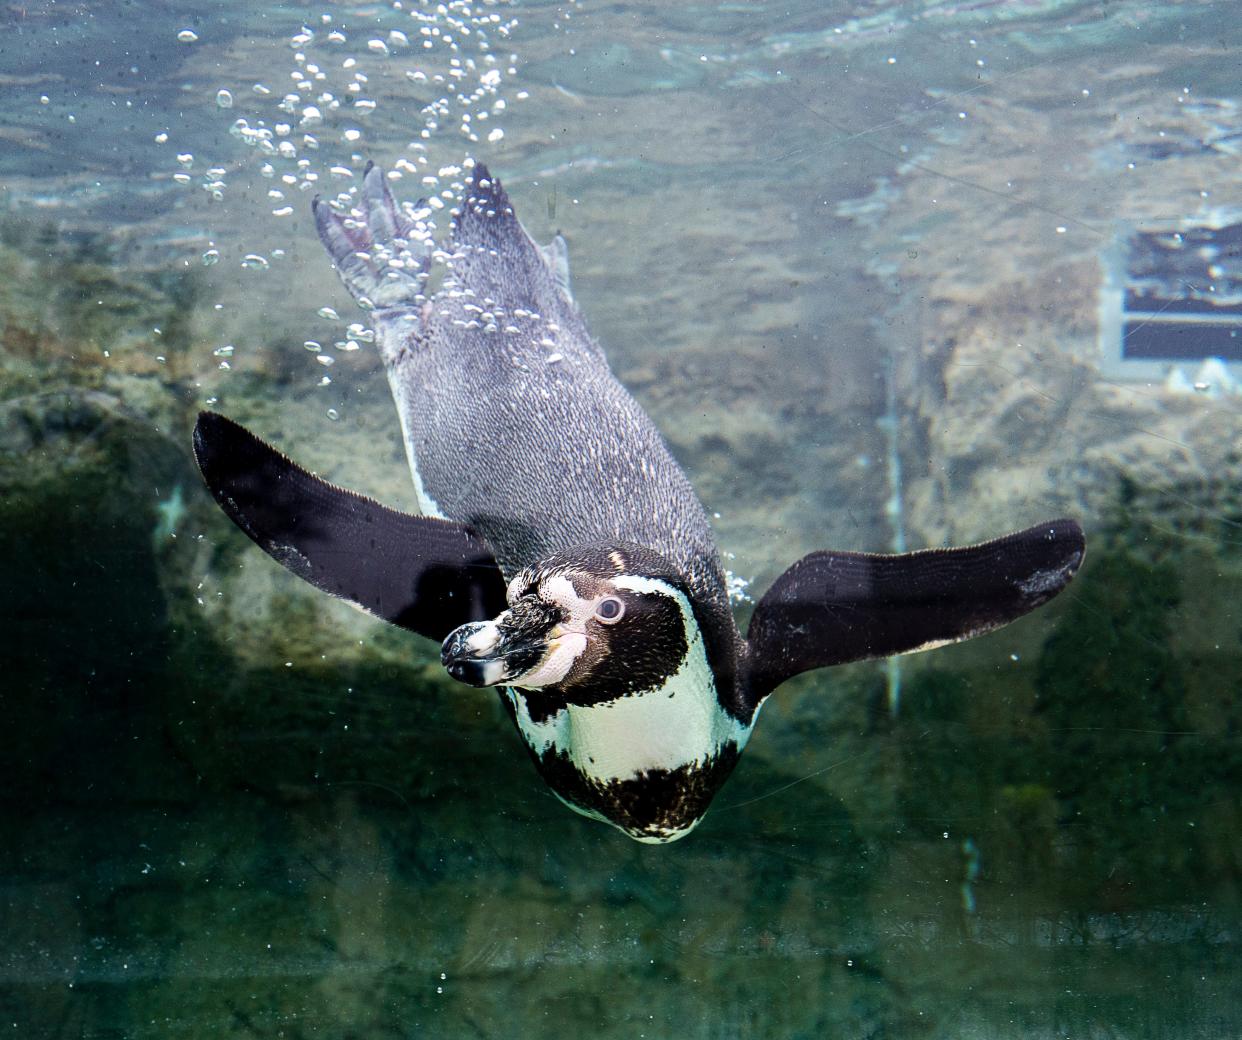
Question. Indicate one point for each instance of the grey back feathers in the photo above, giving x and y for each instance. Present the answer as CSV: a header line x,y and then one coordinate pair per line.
x,y
518,426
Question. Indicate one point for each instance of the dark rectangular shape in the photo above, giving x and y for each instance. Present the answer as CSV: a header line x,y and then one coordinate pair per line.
x,y
1163,303
1181,341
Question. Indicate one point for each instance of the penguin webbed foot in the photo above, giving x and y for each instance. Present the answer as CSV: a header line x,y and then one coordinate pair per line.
x,y
831,607
384,258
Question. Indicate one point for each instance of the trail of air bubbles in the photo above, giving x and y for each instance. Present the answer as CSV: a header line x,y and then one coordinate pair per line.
x,y
436,73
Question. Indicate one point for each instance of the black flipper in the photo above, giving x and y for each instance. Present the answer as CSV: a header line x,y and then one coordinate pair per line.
x,y
834,607
424,574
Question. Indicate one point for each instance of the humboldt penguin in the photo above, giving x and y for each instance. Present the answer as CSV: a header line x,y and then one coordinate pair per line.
x,y
562,555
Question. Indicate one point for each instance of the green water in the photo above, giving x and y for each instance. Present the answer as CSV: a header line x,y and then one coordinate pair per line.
x,y
232,807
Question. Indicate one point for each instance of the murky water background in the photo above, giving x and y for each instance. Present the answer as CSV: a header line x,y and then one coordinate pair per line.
x,y
850,257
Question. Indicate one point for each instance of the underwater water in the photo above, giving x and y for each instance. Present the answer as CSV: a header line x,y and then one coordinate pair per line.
x,y
872,268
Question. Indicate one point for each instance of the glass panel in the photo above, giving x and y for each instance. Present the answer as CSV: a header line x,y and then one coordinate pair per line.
x,y
884,276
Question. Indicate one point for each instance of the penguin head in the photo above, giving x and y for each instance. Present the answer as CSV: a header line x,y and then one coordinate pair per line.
x,y
589,624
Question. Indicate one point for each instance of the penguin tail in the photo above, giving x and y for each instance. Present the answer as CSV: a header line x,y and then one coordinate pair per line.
x,y
383,254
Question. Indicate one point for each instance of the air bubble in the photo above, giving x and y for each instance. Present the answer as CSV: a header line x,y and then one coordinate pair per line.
x,y
224,98
212,256
333,414
329,313
255,262
225,351
187,36
496,134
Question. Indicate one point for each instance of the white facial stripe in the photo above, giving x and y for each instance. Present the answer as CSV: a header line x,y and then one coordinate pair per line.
x,y
637,583
560,590
557,662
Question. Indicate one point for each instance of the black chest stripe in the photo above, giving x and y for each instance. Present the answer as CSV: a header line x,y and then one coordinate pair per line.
x,y
653,804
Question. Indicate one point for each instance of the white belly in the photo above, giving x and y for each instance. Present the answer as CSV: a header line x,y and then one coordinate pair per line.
x,y
679,724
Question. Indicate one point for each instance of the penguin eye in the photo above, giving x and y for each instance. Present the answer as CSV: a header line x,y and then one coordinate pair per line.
x,y
609,610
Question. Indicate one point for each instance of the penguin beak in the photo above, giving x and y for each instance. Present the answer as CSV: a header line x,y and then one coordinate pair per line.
x,y
488,653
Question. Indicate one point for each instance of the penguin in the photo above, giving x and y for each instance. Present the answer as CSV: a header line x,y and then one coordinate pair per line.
x,y
561,555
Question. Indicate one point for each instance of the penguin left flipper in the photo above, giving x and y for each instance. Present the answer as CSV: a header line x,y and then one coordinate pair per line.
x,y
424,574
833,607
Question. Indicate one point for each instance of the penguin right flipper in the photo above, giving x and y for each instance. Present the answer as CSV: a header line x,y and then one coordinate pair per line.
x,y
833,607
424,574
